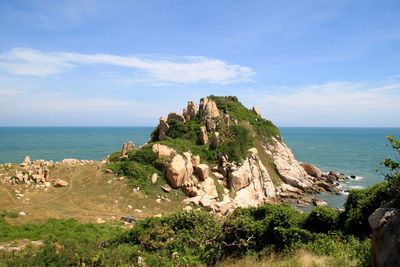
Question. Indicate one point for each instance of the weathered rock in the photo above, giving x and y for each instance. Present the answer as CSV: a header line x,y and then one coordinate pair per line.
x,y
175,116
320,203
179,170
163,150
252,182
60,183
256,110
311,170
126,148
288,167
195,160
205,202
100,221
203,138
385,236
218,175
190,111
202,171
209,188
154,178
166,188
163,128
214,140
211,124
208,108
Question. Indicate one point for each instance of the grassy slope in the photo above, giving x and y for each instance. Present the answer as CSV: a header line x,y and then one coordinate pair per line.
x,y
91,194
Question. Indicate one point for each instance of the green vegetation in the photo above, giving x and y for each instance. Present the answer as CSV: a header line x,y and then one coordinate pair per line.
x,y
231,105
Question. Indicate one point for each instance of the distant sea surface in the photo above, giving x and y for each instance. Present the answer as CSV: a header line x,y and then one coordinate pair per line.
x,y
352,151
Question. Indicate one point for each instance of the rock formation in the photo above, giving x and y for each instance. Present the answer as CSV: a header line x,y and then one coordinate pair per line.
x,y
203,137
175,116
162,129
126,148
214,140
190,111
385,236
256,110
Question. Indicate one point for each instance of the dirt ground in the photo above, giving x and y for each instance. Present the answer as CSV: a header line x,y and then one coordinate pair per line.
x,y
90,195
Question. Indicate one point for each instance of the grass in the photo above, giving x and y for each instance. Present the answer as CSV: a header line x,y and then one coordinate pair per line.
x,y
91,194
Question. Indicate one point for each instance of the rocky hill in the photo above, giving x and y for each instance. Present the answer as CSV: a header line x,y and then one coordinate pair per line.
x,y
222,155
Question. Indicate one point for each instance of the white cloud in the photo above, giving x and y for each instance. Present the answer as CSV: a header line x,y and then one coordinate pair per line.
x,y
10,93
369,104
25,61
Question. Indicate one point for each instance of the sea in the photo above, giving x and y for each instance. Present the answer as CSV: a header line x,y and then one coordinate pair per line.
x,y
352,151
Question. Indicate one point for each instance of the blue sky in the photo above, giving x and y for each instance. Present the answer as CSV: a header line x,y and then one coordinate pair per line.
x,y
126,63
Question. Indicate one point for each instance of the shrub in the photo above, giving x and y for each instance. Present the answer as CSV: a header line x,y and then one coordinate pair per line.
x,y
255,228
238,140
322,220
360,205
287,238
144,155
176,129
182,238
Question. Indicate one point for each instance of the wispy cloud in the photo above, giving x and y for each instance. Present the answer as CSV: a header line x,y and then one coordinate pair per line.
x,y
191,69
330,104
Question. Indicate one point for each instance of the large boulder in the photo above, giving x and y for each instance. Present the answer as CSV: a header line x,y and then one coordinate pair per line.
x,y
209,188
311,170
179,170
203,137
163,150
27,159
176,171
214,140
385,236
208,108
202,171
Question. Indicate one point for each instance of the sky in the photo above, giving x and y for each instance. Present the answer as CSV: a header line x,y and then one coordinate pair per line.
x,y
304,63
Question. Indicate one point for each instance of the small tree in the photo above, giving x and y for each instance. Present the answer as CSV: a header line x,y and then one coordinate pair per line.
x,y
393,176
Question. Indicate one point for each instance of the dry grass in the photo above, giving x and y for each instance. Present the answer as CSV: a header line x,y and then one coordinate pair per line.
x,y
91,194
299,259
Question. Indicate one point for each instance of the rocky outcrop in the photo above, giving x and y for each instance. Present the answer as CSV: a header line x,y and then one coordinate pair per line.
x,y
214,140
252,182
208,109
203,137
163,150
175,116
385,236
163,128
126,148
190,111
305,177
311,170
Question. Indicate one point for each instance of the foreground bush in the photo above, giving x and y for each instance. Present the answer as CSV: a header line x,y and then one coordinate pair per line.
x,y
322,220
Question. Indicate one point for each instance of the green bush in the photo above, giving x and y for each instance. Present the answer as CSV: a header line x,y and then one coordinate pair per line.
x,y
255,228
322,220
287,238
238,139
182,238
177,129
360,205
144,155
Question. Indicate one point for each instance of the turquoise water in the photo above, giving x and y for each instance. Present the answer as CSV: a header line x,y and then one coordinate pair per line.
x,y
57,143
353,151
